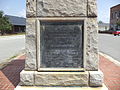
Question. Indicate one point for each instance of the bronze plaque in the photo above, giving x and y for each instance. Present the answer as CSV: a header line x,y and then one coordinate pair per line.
x,y
61,44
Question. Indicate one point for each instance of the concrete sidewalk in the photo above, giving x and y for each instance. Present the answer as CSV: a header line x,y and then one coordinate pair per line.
x,y
10,75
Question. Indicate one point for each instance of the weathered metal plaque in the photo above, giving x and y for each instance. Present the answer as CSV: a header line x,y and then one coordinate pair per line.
x,y
61,44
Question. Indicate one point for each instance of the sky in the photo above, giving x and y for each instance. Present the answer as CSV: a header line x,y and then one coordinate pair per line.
x,y
13,7
104,9
18,8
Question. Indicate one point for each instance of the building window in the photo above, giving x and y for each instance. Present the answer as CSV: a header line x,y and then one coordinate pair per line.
x,y
112,15
119,14
116,15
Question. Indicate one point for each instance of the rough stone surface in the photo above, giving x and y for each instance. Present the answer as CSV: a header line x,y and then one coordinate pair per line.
x,y
96,78
61,78
30,63
61,7
31,8
27,78
92,8
92,45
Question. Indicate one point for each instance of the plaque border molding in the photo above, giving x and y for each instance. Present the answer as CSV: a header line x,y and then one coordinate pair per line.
x,y
38,43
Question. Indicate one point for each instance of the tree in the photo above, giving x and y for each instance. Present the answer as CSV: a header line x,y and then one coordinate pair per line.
x,y
100,22
4,23
118,23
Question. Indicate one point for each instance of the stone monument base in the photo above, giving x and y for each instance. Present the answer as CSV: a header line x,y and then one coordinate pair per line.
x,y
60,88
69,79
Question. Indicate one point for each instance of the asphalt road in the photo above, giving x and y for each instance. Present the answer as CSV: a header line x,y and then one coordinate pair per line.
x,y
110,45
10,46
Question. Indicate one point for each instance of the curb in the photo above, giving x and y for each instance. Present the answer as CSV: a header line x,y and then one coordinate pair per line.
x,y
22,52
110,58
12,58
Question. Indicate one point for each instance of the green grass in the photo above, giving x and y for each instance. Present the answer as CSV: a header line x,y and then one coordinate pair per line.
x,y
14,34
7,61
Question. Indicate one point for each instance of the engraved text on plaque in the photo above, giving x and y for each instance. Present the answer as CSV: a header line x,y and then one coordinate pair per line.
x,y
61,44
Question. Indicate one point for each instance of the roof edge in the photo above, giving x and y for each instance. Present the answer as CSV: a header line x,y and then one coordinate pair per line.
x,y
115,6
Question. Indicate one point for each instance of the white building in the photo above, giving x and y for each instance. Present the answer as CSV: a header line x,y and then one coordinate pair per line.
x,y
103,26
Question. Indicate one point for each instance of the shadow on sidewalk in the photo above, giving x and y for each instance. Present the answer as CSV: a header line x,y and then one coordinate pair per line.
x,y
13,69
